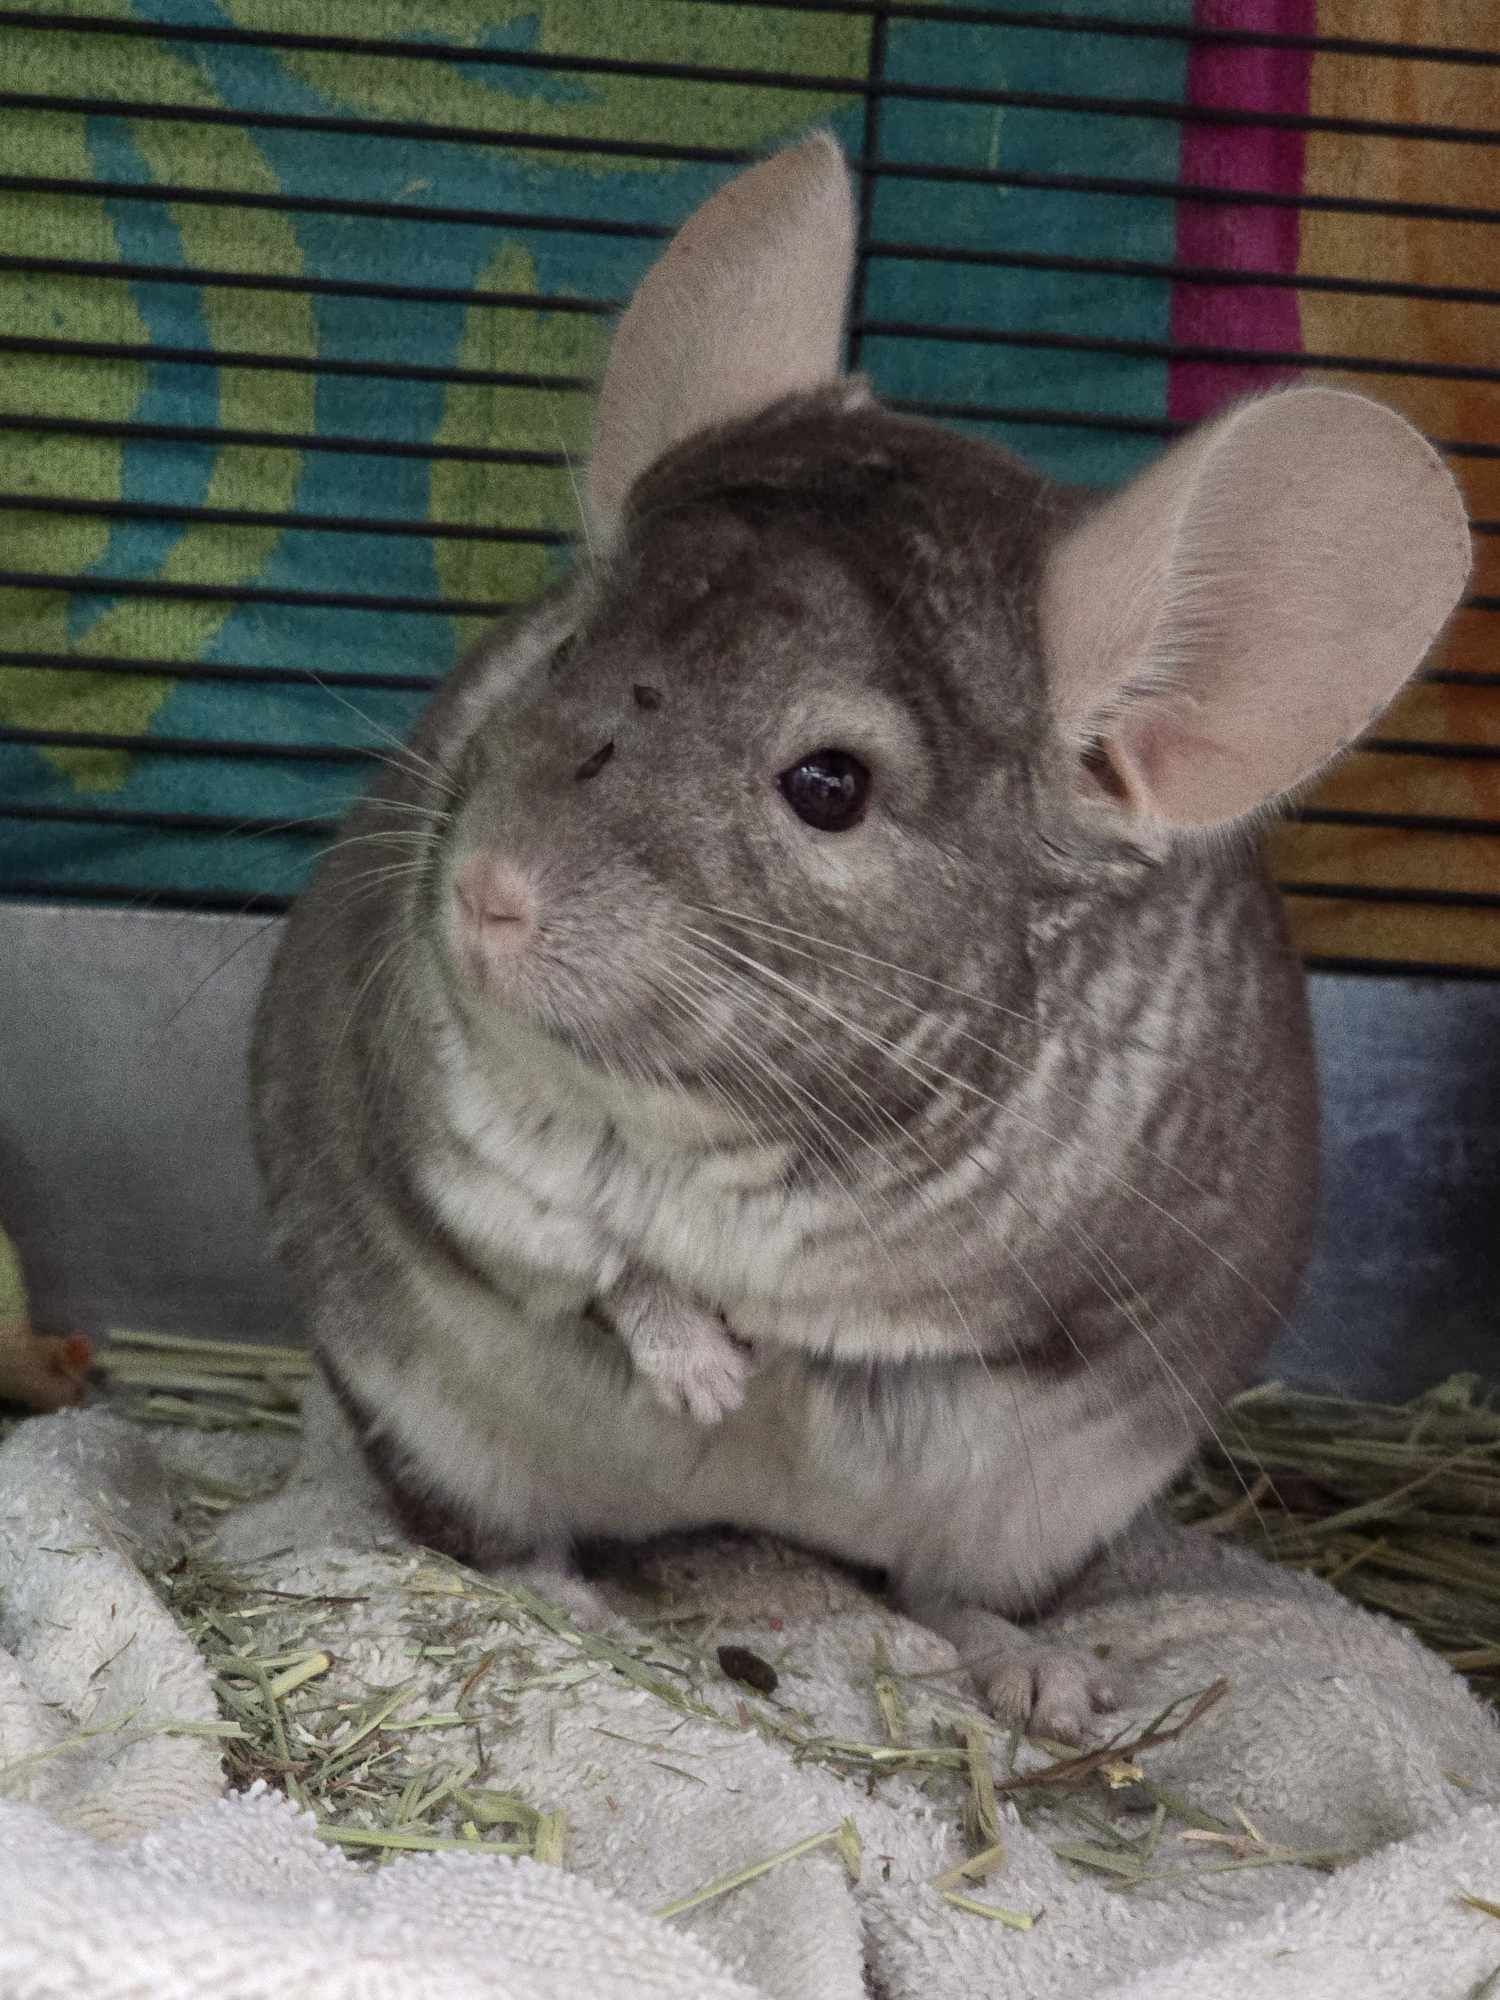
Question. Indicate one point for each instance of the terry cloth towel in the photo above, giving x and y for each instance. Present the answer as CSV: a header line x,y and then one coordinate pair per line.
x,y
125,1869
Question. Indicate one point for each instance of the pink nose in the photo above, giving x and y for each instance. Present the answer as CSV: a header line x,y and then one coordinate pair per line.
x,y
496,904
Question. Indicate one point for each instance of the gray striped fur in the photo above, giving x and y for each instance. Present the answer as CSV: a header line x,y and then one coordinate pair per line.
x,y
990,1127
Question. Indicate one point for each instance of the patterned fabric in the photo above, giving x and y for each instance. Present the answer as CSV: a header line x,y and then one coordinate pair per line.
x,y
237,593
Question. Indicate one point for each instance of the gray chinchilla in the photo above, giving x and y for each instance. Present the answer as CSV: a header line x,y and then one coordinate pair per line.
x,y
823,1055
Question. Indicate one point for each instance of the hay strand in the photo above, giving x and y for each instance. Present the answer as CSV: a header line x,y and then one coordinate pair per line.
x,y
843,1837
1398,1507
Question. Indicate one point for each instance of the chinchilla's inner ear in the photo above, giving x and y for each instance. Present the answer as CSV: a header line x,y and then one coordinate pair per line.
x,y
745,306
1221,628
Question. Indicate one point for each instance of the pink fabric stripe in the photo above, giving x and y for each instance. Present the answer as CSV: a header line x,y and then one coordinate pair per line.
x,y
1264,239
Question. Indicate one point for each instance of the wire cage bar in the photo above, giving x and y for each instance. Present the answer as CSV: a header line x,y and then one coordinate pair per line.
x,y
300,330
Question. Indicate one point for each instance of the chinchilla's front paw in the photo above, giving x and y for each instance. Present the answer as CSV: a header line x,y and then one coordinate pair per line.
x,y
701,1370
683,1350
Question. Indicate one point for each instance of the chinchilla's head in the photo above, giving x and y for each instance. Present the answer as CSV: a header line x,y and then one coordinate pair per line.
x,y
847,708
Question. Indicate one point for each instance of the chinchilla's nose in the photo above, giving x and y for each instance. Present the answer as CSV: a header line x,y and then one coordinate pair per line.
x,y
495,909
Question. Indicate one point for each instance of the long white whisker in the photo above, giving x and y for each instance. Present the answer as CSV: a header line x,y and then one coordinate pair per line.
x,y
416,764
373,802
786,1086
375,972
1018,1359
1117,1290
1152,1153
1109,1039
857,1094
935,1070
222,966
674,995
1116,1298
583,512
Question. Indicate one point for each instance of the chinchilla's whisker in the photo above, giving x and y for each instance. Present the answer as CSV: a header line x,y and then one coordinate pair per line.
x,y
405,757
388,871
755,1060
1110,1043
904,1139
1115,1297
391,837
1204,1412
749,921
410,765
729,978
684,1001
771,1013
677,997
259,931
1106,1037
266,923
961,1319
938,1074
752,1067
578,501
269,923
1114,1283
386,974
715,978
1002,1056
372,882
427,834
436,816
392,941
410,847
863,1139
841,1183
631,1066
1119,1299
1113,1293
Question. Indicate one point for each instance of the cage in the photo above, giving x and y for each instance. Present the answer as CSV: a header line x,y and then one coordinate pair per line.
x,y
302,307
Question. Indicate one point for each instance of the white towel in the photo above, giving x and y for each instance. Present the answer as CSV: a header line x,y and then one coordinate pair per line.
x,y
123,1871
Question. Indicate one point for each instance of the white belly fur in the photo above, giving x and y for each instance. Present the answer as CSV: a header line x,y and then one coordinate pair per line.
x,y
994,1494
993,1489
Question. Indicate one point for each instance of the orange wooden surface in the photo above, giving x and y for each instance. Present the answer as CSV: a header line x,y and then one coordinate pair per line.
x,y
1401,250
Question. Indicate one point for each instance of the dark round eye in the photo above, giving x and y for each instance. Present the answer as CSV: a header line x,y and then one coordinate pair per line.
x,y
829,790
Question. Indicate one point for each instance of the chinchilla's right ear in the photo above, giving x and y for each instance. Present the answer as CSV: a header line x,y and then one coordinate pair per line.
x,y
746,305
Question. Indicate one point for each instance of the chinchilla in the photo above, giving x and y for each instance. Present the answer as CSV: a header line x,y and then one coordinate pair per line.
x,y
803,1037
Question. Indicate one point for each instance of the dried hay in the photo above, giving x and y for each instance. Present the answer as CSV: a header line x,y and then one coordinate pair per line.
x,y
1397,1507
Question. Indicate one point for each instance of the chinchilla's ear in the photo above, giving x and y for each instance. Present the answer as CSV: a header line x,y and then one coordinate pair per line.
x,y
746,305
1222,627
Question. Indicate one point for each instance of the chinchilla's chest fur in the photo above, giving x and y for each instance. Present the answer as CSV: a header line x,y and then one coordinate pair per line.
x,y
973,1363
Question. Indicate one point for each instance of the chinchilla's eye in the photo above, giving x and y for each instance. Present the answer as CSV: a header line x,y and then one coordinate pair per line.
x,y
829,790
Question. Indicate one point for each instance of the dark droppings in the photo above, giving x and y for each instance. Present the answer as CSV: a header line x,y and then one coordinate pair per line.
x,y
648,698
592,766
740,1664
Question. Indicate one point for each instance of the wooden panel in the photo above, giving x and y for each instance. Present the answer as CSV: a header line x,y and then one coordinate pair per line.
x,y
1397,933
1394,858
1397,250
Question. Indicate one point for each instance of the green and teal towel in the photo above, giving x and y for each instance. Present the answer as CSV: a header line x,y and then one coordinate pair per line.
x,y
217,596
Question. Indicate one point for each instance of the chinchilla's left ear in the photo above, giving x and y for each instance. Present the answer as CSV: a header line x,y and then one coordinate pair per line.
x,y
746,305
1232,619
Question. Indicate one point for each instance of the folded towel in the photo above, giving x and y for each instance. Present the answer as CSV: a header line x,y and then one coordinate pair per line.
x,y
124,1870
